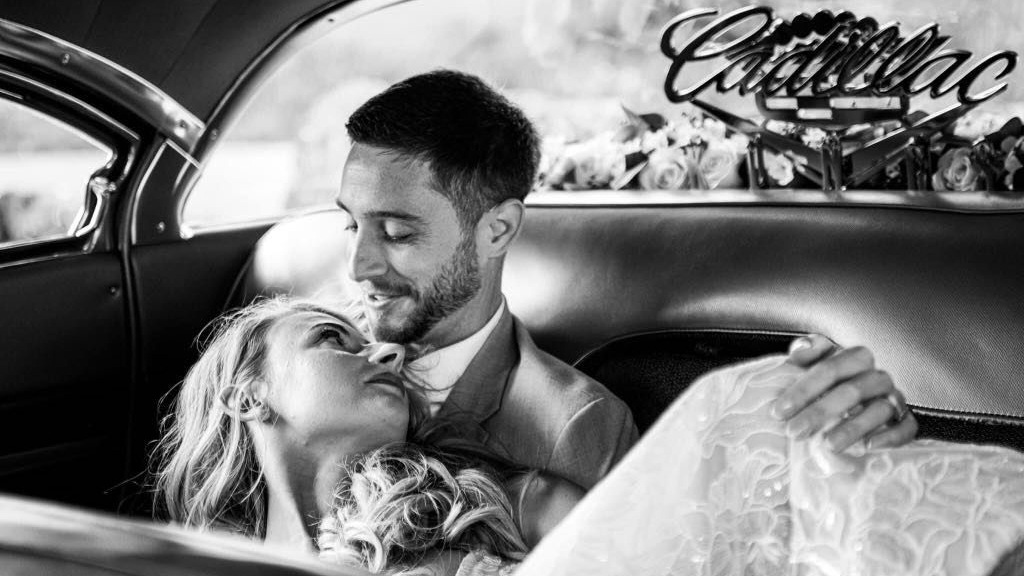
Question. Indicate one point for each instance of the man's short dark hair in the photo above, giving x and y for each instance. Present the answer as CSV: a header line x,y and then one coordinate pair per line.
x,y
481,148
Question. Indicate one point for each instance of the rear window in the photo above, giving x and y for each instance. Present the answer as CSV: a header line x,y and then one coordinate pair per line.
x,y
592,76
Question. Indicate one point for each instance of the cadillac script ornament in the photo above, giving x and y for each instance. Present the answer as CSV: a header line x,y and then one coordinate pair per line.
x,y
831,72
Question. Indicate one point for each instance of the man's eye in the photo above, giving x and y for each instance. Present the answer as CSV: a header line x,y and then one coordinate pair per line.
x,y
351,226
394,233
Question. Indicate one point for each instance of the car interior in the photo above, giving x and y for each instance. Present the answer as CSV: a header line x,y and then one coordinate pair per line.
x,y
645,296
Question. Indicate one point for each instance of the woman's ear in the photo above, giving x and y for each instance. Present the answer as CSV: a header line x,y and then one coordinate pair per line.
x,y
257,402
499,227
248,400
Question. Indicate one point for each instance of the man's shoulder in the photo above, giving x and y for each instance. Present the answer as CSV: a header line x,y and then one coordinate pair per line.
x,y
554,381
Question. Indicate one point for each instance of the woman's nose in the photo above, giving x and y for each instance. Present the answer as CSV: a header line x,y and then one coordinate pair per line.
x,y
388,354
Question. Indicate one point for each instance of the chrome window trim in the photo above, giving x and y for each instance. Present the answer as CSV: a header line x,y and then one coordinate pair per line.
x,y
64,59
64,98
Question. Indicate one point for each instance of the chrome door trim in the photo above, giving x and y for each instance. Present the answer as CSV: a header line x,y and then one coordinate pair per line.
x,y
32,47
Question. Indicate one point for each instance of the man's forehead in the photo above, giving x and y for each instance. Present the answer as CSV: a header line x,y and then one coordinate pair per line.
x,y
377,179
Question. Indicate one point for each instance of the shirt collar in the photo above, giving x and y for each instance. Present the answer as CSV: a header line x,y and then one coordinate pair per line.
x,y
440,369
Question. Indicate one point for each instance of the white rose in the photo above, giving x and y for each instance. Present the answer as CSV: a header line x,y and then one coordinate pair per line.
x,y
719,165
666,169
956,171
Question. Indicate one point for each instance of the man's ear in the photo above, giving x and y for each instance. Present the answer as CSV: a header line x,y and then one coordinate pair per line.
x,y
499,227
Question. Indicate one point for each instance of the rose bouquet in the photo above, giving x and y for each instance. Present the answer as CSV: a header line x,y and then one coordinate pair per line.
x,y
695,152
991,161
649,153
974,153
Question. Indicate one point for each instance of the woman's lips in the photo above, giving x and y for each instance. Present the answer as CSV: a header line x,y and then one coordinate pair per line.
x,y
389,380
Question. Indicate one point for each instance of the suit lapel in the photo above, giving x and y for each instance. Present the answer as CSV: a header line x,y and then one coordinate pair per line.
x,y
478,393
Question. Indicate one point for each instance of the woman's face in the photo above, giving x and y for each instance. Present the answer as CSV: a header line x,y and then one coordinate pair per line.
x,y
324,384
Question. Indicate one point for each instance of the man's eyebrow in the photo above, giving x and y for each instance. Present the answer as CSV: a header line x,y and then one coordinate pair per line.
x,y
387,214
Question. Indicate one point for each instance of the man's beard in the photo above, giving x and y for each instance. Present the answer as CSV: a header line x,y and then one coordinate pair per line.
x,y
455,285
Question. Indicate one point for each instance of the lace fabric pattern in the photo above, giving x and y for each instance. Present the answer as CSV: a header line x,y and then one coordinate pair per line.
x,y
717,487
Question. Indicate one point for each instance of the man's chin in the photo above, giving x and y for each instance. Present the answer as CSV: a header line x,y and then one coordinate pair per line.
x,y
398,334
391,327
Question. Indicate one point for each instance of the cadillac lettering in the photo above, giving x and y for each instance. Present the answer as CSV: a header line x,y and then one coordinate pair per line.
x,y
850,57
833,72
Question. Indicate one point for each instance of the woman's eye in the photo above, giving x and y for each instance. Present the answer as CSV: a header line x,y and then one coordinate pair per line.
x,y
337,336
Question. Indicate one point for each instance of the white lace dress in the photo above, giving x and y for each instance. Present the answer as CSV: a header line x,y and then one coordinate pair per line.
x,y
716,487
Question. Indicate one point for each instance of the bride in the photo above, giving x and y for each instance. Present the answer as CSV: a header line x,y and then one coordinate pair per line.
x,y
289,418
287,398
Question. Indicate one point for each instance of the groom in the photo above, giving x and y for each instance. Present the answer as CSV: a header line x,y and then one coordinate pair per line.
x,y
433,196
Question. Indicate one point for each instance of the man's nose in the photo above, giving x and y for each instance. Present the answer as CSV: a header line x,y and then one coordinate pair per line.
x,y
366,259
390,355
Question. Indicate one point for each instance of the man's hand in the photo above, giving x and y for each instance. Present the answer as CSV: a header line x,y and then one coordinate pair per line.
x,y
842,386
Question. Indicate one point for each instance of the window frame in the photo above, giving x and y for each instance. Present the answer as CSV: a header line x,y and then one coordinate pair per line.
x,y
94,222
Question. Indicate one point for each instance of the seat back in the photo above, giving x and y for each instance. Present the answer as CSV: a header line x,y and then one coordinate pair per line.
x,y
647,298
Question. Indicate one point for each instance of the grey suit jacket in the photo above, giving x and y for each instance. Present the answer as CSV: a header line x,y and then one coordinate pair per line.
x,y
538,411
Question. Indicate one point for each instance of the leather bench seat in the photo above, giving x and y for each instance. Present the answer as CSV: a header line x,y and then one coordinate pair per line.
x,y
647,298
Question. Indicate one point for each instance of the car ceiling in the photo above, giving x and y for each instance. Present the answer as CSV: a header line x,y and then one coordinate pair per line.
x,y
191,49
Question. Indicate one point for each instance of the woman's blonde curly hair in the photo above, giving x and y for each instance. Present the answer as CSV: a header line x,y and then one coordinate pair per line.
x,y
206,473
398,502
404,501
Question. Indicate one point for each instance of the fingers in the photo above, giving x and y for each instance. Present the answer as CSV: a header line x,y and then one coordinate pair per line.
x,y
875,415
850,403
896,435
819,378
806,350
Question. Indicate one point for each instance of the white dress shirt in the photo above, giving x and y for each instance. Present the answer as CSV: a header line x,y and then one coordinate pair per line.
x,y
440,369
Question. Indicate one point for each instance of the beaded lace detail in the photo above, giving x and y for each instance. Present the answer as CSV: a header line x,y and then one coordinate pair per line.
x,y
718,488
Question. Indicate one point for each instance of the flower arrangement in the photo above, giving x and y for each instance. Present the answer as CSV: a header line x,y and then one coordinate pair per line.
x,y
648,152
695,152
988,161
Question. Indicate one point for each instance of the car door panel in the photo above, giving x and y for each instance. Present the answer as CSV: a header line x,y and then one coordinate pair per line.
x,y
180,287
65,381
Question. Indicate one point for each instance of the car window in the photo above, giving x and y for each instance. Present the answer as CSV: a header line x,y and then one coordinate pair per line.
x,y
592,76
45,167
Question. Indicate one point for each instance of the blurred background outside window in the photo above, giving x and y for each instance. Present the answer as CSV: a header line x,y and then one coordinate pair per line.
x,y
45,166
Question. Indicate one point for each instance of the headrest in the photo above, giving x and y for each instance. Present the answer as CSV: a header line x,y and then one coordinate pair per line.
x,y
304,256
